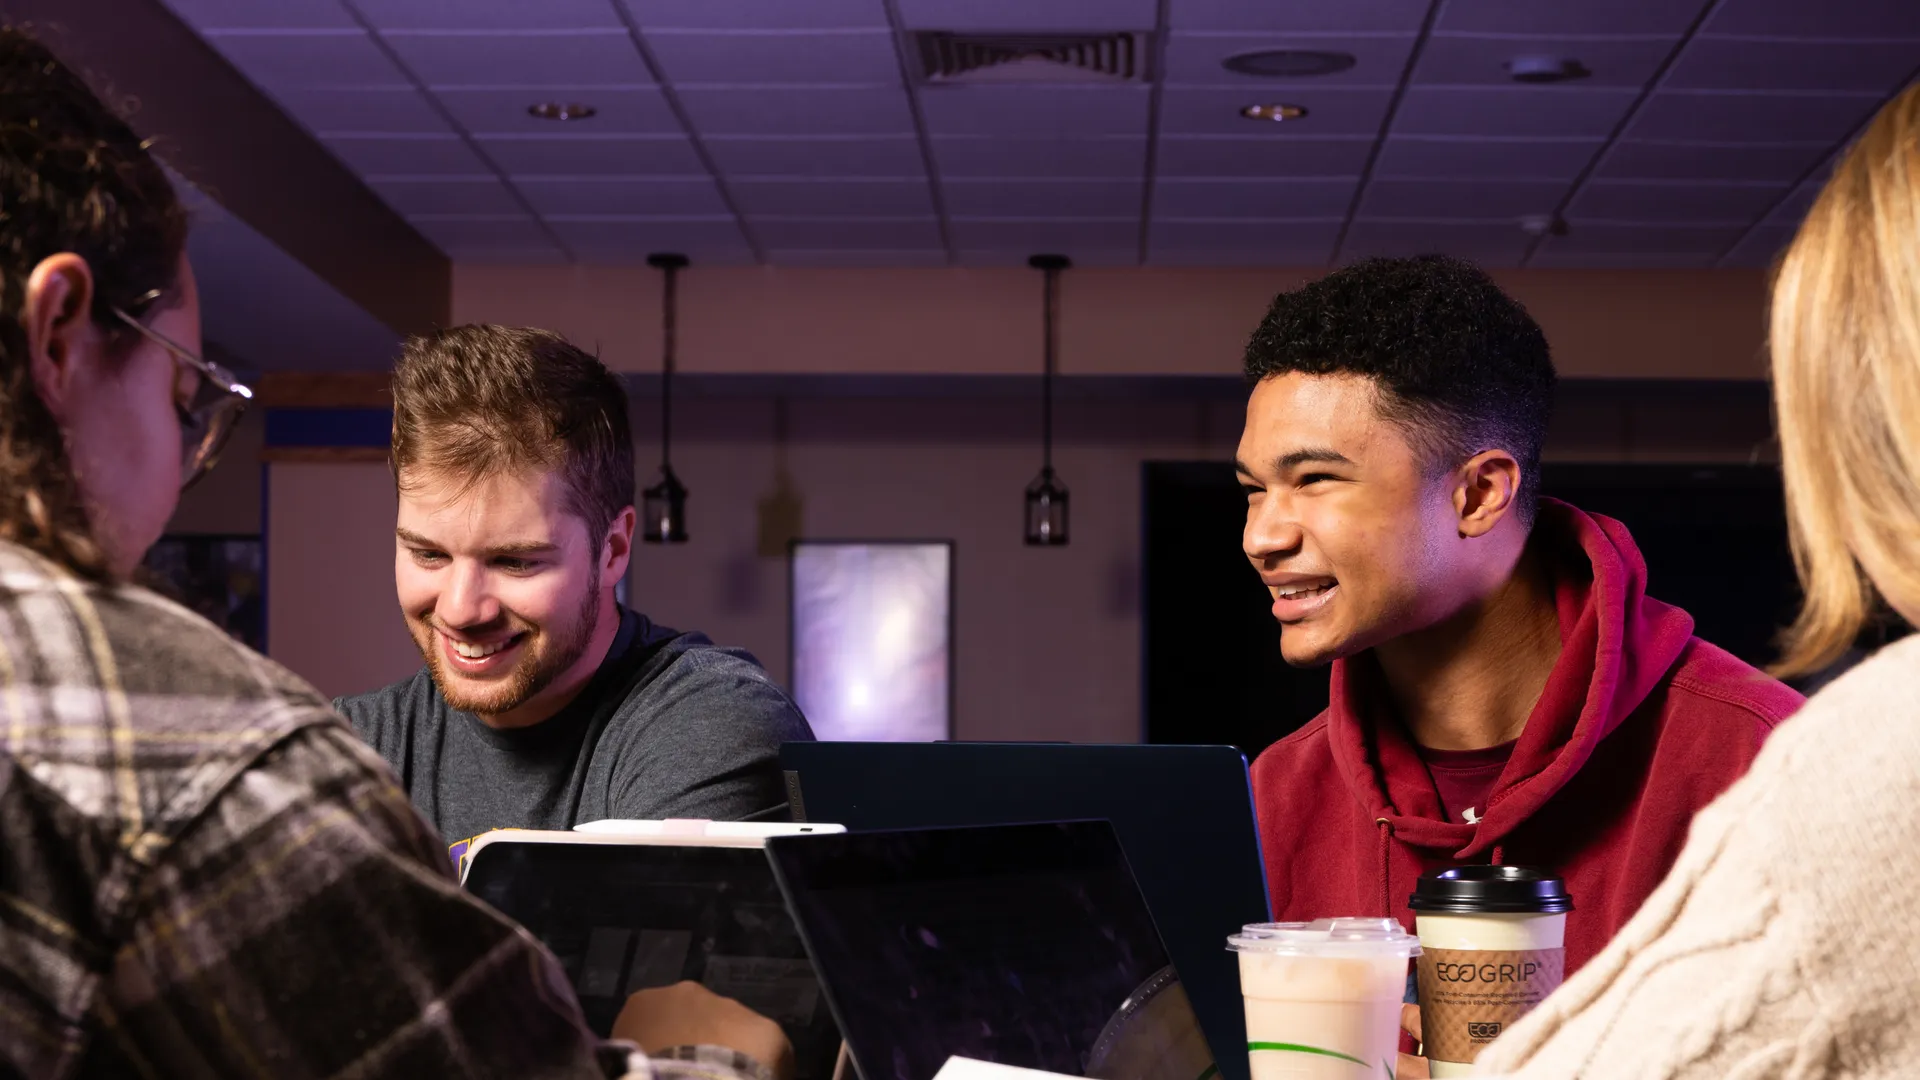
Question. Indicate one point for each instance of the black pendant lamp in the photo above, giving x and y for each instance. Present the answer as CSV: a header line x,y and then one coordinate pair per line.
x,y
663,507
1047,495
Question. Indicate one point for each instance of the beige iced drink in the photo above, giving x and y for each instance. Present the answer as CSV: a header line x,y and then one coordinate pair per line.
x,y
1323,998
1492,948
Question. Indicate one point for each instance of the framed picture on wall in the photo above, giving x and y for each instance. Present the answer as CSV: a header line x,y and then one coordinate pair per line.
x,y
219,576
872,638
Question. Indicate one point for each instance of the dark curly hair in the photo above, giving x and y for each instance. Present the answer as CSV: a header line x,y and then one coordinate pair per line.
x,y
73,178
1460,366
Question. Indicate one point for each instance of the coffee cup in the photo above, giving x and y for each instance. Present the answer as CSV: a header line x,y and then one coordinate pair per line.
x,y
1492,947
1323,998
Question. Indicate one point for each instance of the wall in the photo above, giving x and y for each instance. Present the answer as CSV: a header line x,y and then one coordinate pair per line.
x,y
1666,324
1048,642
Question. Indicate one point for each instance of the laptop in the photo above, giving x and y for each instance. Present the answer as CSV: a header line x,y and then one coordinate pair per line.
x,y
1184,815
1021,945
634,905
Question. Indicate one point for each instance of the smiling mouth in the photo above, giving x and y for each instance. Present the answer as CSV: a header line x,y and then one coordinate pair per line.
x,y
471,651
1307,592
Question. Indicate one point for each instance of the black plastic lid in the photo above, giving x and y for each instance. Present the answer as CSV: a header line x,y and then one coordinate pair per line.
x,y
1490,890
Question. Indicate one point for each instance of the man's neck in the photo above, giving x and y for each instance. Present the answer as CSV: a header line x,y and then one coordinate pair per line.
x,y
1470,681
567,686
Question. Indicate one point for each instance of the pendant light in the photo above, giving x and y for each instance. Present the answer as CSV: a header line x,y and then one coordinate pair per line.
x,y
663,507
1047,495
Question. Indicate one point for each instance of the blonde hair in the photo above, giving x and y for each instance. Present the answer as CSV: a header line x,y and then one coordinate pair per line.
x,y
1845,340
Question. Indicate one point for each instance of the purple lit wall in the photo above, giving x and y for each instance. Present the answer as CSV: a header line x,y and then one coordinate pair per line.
x,y
871,639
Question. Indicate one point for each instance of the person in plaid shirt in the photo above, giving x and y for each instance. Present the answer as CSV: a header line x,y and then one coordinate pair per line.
x,y
203,872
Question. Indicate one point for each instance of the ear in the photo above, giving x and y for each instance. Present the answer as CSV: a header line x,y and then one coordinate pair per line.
x,y
1485,491
617,546
58,319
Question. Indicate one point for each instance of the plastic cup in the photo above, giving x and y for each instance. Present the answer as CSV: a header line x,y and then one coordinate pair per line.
x,y
1323,998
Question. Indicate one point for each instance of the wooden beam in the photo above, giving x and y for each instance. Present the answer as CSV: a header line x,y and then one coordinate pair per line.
x,y
322,390
217,130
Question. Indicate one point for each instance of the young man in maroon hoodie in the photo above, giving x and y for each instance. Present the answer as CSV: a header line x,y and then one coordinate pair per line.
x,y
1503,689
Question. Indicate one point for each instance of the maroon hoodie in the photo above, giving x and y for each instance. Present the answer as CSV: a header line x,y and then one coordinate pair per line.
x,y
1640,725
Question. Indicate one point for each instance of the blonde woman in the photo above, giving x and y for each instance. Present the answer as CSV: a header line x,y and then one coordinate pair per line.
x,y
1786,940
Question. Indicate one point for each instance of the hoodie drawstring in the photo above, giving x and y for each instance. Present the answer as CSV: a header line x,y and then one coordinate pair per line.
x,y
1386,866
1499,854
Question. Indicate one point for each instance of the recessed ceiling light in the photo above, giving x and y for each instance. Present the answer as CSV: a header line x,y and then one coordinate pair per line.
x,y
561,110
1546,69
1275,113
1288,63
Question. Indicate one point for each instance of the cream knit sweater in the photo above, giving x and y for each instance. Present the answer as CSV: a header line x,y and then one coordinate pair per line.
x,y
1786,940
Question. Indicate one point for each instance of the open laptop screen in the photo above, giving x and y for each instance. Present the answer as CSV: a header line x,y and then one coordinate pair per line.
x,y
1025,945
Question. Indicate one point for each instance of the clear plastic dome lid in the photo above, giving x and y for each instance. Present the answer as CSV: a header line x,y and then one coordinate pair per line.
x,y
1327,937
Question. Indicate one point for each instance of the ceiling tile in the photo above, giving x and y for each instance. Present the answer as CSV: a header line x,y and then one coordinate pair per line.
x,y
1291,198
757,14
1720,64
1263,243
1526,111
385,110
1630,200
465,195
1795,205
705,242
798,111
1269,153
1859,19
481,231
843,197
1330,111
875,257
983,155
1486,243
331,58
1446,158
1053,111
1346,16
627,110
689,57
651,198
1481,61
1585,238
1632,159
407,155
489,14
1062,15
1625,260
1533,17
831,156
610,155
847,233
1042,198
1497,200
1760,247
1739,117
1194,59
254,15
1067,237
572,59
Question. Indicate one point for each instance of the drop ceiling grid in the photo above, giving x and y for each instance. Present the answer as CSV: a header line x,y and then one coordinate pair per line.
x,y
787,131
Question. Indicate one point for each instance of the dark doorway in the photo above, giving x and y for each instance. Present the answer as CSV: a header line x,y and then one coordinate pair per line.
x,y
1714,539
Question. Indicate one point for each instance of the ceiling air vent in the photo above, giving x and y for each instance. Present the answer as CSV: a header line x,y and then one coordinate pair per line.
x,y
949,58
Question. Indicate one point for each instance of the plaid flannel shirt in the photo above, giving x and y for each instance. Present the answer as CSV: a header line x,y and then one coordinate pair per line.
x,y
204,872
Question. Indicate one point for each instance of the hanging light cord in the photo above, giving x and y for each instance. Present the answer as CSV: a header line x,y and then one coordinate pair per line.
x,y
670,332
1046,372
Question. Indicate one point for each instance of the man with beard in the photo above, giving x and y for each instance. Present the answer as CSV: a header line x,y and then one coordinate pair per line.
x,y
545,703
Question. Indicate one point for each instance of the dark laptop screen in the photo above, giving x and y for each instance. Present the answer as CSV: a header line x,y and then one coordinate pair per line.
x,y
1025,945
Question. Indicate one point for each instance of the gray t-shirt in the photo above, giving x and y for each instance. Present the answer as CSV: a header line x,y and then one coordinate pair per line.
x,y
671,725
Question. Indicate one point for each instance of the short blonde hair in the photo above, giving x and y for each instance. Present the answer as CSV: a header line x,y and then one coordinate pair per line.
x,y
1845,340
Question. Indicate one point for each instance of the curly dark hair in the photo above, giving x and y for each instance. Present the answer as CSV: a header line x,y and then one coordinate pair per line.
x,y
1460,366
479,400
73,178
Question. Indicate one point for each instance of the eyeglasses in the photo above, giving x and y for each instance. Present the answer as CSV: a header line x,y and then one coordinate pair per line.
x,y
208,419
